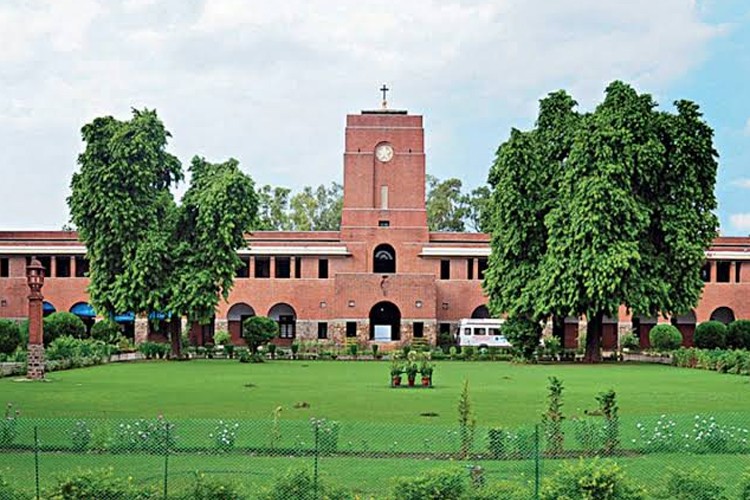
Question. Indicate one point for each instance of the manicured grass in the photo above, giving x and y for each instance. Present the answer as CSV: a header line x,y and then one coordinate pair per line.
x,y
502,393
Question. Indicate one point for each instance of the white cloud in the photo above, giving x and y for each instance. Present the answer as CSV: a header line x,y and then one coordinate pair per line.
x,y
741,222
743,183
269,83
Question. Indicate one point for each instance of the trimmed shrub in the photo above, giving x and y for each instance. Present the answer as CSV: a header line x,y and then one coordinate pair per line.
x,y
432,485
738,334
505,490
710,335
630,341
524,335
59,324
206,488
222,337
665,337
106,330
10,336
697,483
258,330
591,479
298,484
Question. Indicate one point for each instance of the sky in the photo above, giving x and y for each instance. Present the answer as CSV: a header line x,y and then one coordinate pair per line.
x,y
270,84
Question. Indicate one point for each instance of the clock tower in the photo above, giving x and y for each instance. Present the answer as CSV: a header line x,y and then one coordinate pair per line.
x,y
384,175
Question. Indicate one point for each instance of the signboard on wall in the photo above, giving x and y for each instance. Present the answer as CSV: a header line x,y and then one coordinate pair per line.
x,y
382,333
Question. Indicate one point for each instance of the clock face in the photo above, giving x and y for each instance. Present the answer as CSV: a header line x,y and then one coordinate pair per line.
x,y
384,152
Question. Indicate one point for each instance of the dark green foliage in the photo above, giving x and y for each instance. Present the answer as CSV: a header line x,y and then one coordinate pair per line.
x,y
60,324
7,492
710,335
609,410
446,206
97,483
466,421
745,486
738,334
448,484
593,211
106,330
10,336
591,479
665,337
695,484
259,330
523,334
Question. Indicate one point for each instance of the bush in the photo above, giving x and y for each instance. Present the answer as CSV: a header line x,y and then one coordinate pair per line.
x,y
206,488
697,484
77,350
299,485
630,341
665,337
505,490
258,330
738,334
59,324
710,335
602,479
8,492
432,485
222,337
97,483
10,336
745,486
106,330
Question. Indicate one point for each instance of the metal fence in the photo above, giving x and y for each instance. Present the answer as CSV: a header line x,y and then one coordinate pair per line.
x,y
322,458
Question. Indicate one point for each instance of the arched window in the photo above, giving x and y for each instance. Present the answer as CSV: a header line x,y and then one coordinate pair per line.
x,y
384,259
723,314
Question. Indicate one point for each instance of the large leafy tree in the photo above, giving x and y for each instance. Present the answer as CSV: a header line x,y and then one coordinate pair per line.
x,y
273,208
317,209
446,205
590,212
147,253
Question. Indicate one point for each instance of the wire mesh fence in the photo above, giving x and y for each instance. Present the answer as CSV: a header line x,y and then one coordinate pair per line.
x,y
322,458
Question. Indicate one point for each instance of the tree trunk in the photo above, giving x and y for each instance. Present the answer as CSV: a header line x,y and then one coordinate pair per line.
x,y
594,339
175,335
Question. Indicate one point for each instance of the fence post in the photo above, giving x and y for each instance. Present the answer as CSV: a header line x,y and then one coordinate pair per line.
x,y
536,462
166,459
317,454
36,459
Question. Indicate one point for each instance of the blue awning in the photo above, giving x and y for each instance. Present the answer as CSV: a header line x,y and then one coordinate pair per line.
x,y
83,310
160,316
47,307
127,317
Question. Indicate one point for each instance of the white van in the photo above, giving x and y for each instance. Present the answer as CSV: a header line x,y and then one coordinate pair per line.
x,y
482,333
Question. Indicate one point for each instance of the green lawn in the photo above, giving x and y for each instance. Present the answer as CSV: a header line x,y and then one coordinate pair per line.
x,y
503,393
382,433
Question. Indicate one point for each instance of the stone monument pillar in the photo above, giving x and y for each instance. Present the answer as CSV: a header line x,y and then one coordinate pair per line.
x,y
35,360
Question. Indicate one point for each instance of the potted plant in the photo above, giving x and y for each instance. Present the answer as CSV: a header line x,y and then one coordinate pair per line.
x,y
396,370
411,373
426,371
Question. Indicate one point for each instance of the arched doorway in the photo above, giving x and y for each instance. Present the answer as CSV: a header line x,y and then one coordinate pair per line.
x,y
385,322
87,314
481,312
685,323
287,319
723,314
48,308
236,316
384,259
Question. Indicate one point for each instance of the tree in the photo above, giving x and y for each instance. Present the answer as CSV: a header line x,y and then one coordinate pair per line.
x,y
148,254
477,204
446,206
609,208
317,209
273,208
258,331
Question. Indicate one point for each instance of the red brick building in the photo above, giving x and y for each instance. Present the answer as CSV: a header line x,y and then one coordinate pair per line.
x,y
383,277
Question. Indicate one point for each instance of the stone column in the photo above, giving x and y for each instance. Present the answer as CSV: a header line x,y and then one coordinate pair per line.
x,y
141,330
35,357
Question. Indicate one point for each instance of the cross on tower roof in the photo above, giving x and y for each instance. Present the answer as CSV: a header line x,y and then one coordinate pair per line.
x,y
384,90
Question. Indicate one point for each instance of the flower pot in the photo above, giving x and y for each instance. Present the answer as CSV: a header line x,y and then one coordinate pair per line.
x,y
426,381
396,381
411,380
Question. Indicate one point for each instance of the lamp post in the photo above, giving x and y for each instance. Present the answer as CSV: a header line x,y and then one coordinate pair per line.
x,y
35,360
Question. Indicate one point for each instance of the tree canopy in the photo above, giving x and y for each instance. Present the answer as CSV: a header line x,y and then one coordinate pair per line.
x,y
591,211
147,253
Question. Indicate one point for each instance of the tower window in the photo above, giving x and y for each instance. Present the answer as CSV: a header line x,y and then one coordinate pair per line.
x,y
384,259
4,267
323,269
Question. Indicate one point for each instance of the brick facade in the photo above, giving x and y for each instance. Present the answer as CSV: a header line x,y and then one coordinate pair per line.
x,y
384,208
